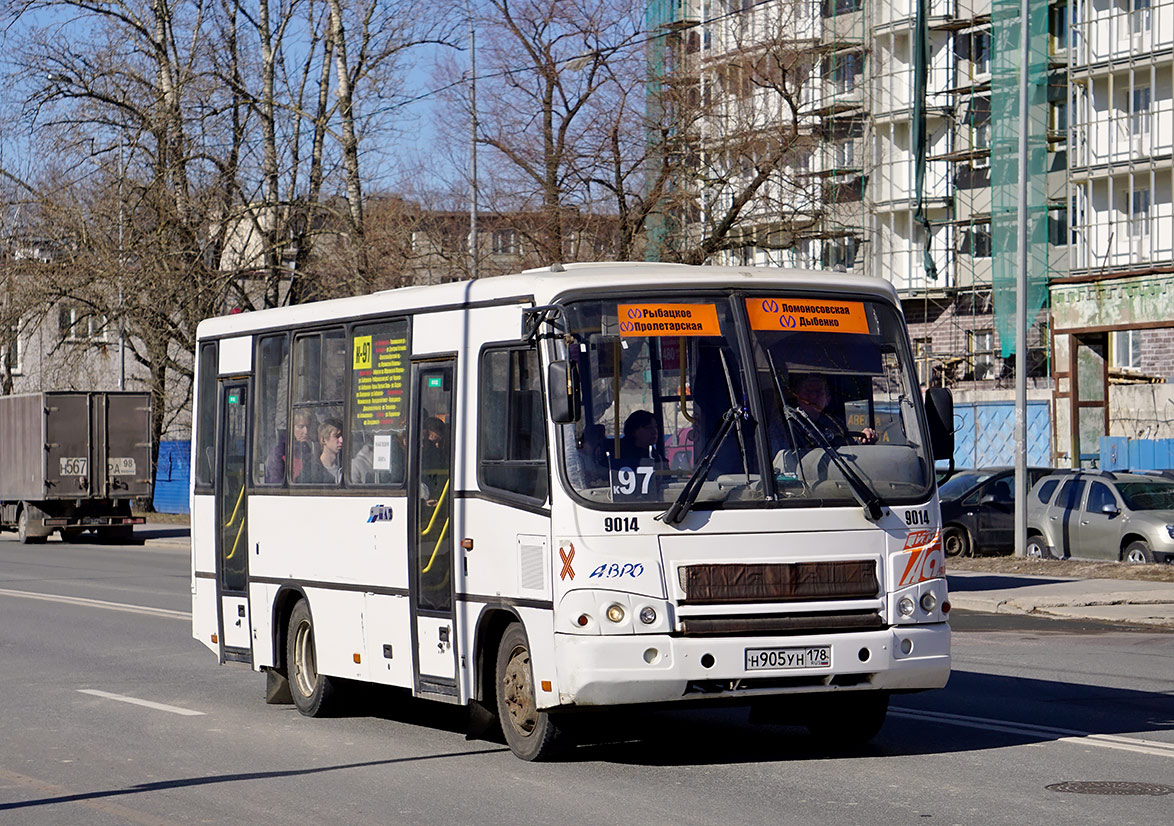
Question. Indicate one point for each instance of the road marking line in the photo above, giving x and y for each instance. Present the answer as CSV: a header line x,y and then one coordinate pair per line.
x,y
1060,735
100,603
187,712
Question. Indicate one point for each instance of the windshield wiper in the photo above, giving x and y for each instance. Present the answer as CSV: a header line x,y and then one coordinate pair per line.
x,y
861,490
868,498
732,419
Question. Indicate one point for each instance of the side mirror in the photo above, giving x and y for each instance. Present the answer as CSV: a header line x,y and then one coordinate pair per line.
x,y
562,387
939,410
1109,509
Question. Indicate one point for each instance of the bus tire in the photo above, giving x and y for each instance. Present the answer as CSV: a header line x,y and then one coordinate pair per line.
x,y
314,694
849,719
531,734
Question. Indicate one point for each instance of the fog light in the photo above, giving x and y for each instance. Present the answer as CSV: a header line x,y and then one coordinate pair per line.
x,y
905,606
906,646
615,613
928,602
648,615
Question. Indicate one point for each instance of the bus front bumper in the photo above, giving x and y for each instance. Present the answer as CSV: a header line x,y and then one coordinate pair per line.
x,y
616,670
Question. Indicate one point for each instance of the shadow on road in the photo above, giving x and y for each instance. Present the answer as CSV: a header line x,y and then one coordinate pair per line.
x,y
995,582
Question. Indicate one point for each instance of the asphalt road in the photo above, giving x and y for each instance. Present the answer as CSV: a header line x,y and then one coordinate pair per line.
x,y
112,714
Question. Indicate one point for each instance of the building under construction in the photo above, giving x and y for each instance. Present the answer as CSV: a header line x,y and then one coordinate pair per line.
x,y
903,163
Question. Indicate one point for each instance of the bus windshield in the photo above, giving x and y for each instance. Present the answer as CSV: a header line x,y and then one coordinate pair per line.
x,y
777,399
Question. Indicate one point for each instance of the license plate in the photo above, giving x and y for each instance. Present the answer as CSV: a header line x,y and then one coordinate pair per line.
x,y
783,659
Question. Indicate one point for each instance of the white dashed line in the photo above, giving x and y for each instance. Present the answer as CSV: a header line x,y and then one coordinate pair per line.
x,y
186,712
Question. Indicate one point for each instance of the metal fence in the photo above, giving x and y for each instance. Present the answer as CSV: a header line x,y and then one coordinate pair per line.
x,y
984,434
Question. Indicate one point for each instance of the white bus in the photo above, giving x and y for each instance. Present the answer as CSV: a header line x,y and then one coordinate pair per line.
x,y
582,486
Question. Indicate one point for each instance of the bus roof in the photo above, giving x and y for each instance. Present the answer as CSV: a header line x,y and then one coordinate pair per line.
x,y
544,286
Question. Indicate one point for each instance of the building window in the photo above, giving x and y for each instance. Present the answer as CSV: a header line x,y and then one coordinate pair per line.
x,y
1141,16
980,346
976,241
839,253
1058,28
505,242
11,353
844,70
76,322
980,52
1125,349
1141,110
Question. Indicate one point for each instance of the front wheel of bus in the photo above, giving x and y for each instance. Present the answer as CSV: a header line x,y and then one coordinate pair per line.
x,y
849,719
531,734
313,693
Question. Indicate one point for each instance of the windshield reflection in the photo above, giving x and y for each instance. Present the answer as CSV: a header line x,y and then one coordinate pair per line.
x,y
658,376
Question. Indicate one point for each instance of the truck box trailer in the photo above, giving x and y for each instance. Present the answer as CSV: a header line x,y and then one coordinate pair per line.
x,y
73,461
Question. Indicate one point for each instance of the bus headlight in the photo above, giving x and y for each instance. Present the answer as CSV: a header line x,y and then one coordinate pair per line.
x,y
648,615
905,606
615,612
929,602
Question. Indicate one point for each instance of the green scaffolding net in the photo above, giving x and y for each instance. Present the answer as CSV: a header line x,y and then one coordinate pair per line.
x,y
1005,125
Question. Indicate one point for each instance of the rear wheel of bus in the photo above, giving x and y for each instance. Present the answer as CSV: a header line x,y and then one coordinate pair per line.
x,y
313,693
531,734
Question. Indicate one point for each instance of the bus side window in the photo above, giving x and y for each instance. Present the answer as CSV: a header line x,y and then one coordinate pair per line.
x,y
318,383
206,415
378,393
271,410
511,444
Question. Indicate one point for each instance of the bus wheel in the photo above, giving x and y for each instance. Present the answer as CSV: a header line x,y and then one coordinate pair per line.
x,y
313,693
849,719
530,733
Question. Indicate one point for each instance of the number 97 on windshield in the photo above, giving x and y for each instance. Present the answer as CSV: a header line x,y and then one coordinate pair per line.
x,y
626,481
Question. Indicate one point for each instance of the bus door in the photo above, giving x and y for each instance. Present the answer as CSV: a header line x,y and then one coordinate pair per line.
x,y
232,536
430,544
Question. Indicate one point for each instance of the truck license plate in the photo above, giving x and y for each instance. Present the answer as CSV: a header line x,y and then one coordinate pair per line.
x,y
763,659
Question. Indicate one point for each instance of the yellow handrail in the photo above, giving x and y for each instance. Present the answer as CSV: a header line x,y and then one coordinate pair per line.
x,y
439,503
436,548
232,519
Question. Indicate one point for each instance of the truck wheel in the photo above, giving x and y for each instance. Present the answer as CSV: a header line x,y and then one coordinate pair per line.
x,y
314,694
531,734
1138,553
22,529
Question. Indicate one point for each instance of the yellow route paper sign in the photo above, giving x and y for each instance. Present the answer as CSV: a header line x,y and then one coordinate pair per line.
x,y
669,320
806,315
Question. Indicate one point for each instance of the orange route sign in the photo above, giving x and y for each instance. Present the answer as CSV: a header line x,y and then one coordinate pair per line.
x,y
669,320
806,315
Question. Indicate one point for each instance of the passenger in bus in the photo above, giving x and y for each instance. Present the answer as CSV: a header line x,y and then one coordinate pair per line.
x,y
812,396
327,469
434,457
592,458
303,451
640,442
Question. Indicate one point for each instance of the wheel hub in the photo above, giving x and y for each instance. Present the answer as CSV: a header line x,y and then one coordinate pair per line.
x,y
518,691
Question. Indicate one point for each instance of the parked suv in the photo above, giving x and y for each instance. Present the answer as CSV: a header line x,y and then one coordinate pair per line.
x,y
978,509
1102,515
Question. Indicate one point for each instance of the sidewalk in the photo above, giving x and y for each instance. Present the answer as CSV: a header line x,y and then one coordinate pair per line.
x,y
1107,600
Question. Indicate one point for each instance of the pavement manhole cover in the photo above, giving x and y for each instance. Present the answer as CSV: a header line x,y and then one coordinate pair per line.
x,y
1109,787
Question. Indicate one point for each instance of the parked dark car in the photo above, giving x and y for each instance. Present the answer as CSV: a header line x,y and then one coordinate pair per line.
x,y
978,509
1102,515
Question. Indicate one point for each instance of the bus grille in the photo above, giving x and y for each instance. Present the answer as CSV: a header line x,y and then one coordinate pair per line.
x,y
781,624
717,584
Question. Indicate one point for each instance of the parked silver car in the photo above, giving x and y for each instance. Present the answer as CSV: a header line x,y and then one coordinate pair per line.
x,y
1102,515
